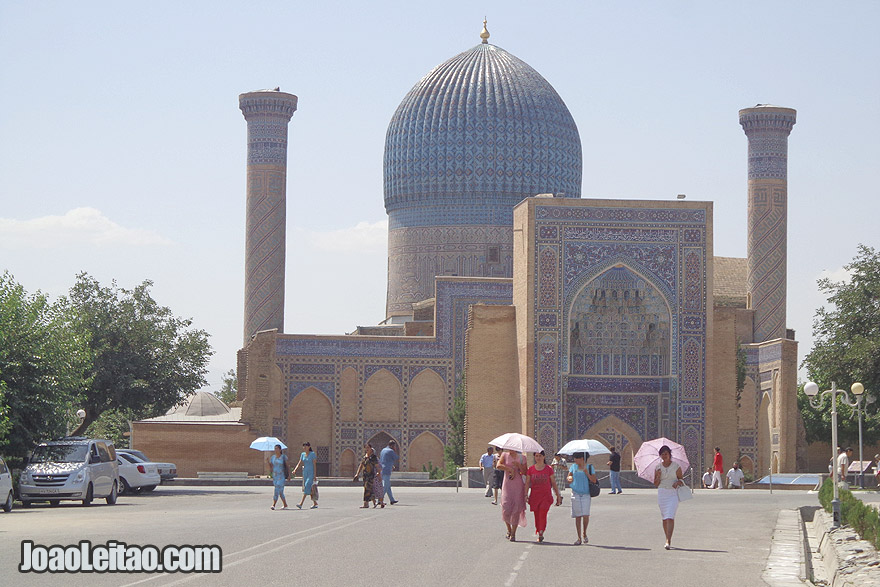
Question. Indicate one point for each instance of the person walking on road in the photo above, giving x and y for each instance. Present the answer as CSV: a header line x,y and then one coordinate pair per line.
x,y
487,466
717,470
307,461
560,471
667,479
614,464
579,477
368,467
513,492
378,487
735,477
539,484
388,458
280,473
499,475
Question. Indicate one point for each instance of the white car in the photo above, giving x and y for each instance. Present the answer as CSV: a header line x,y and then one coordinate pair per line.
x,y
167,471
137,475
5,487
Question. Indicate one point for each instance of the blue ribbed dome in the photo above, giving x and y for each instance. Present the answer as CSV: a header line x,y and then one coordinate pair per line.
x,y
473,138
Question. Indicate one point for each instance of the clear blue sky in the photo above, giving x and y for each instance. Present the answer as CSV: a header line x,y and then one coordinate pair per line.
x,y
122,149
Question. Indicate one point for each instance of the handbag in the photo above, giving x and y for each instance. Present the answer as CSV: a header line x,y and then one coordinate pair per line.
x,y
314,494
286,467
684,493
594,487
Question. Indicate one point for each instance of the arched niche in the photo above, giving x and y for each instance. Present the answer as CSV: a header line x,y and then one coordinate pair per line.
x,y
310,419
619,323
348,395
380,440
347,464
612,431
383,396
427,397
763,435
747,465
426,448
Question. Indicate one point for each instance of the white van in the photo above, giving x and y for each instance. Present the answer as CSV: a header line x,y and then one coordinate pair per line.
x,y
71,468
5,487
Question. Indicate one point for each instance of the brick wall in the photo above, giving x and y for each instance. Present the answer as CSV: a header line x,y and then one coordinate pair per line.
x,y
491,377
195,447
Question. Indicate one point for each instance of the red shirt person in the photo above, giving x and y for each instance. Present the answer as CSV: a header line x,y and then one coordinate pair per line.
x,y
717,470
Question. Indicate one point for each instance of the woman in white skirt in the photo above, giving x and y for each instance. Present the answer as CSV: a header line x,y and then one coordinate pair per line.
x,y
667,478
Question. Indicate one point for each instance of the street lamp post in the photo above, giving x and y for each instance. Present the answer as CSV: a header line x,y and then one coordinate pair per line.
x,y
858,389
817,401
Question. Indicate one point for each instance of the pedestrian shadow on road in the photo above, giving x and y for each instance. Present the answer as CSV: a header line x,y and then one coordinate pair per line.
x,y
608,547
548,543
698,550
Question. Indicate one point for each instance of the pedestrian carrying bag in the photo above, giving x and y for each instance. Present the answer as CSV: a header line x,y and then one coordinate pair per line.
x,y
684,493
594,487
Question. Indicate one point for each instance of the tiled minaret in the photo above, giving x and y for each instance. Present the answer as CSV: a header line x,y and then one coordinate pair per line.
x,y
767,128
267,113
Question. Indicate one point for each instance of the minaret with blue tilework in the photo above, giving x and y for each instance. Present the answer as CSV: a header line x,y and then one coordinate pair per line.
x,y
767,128
267,113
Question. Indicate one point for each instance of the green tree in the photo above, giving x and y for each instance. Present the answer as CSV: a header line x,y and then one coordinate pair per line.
x,y
453,452
847,348
145,360
229,391
43,366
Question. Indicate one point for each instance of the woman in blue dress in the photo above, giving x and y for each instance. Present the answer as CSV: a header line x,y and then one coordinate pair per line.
x,y
307,460
279,475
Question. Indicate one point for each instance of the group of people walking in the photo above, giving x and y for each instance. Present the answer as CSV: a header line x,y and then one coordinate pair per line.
x,y
281,473
536,486
375,471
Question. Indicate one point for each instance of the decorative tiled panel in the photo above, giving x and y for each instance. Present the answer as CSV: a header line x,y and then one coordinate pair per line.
x,y
659,261
548,266
312,369
325,387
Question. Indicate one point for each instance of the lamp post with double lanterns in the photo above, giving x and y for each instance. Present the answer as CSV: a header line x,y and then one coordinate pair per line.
x,y
817,401
859,391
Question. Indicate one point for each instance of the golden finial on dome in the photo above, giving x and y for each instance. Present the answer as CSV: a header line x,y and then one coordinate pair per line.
x,y
485,34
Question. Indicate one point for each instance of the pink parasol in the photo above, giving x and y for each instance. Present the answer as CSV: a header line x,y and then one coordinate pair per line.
x,y
517,442
648,457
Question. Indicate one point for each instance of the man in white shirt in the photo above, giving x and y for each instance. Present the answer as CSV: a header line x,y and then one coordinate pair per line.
x,y
735,477
487,466
843,464
707,478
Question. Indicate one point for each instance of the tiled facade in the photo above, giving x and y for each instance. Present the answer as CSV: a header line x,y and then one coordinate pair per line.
x,y
618,309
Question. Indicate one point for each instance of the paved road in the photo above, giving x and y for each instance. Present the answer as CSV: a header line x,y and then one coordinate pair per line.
x,y
432,537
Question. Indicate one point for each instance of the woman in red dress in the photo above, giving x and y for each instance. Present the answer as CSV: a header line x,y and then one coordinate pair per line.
x,y
539,484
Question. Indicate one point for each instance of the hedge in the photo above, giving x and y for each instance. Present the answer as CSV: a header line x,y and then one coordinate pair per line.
x,y
862,518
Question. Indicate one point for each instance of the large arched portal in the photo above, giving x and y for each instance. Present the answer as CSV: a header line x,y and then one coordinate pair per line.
x,y
619,324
